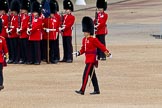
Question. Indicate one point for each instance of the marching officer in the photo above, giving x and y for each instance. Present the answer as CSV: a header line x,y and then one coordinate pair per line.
x,y
34,32
100,25
89,46
51,26
24,19
66,30
12,32
3,51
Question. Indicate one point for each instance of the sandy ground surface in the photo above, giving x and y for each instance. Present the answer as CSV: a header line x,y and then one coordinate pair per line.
x,y
131,79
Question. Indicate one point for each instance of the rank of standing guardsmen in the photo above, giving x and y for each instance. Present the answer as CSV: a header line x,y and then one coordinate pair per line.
x,y
100,25
23,39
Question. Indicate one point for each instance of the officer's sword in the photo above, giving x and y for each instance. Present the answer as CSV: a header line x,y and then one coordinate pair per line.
x,y
110,56
91,75
75,40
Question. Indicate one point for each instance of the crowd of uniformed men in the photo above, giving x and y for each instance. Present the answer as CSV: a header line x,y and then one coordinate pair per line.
x,y
32,37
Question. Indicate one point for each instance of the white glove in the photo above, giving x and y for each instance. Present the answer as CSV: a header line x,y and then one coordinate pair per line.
x,y
63,25
77,53
28,31
52,29
6,59
61,28
12,27
110,56
2,21
18,30
8,31
96,26
47,30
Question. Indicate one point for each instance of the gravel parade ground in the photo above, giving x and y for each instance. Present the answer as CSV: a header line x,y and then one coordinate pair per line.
x,y
132,78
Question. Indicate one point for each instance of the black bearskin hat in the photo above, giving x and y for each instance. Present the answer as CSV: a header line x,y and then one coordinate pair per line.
x,y
101,4
88,25
4,5
30,5
15,6
32,1
25,4
36,7
54,7
67,4
0,25
9,2
43,2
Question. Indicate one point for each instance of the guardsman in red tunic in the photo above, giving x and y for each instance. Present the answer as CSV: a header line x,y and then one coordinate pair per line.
x,y
101,26
43,43
89,47
21,31
4,17
12,32
3,51
51,26
57,15
35,35
66,29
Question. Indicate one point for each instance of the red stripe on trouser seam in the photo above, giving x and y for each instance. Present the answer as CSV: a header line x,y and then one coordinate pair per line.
x,y
86,77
